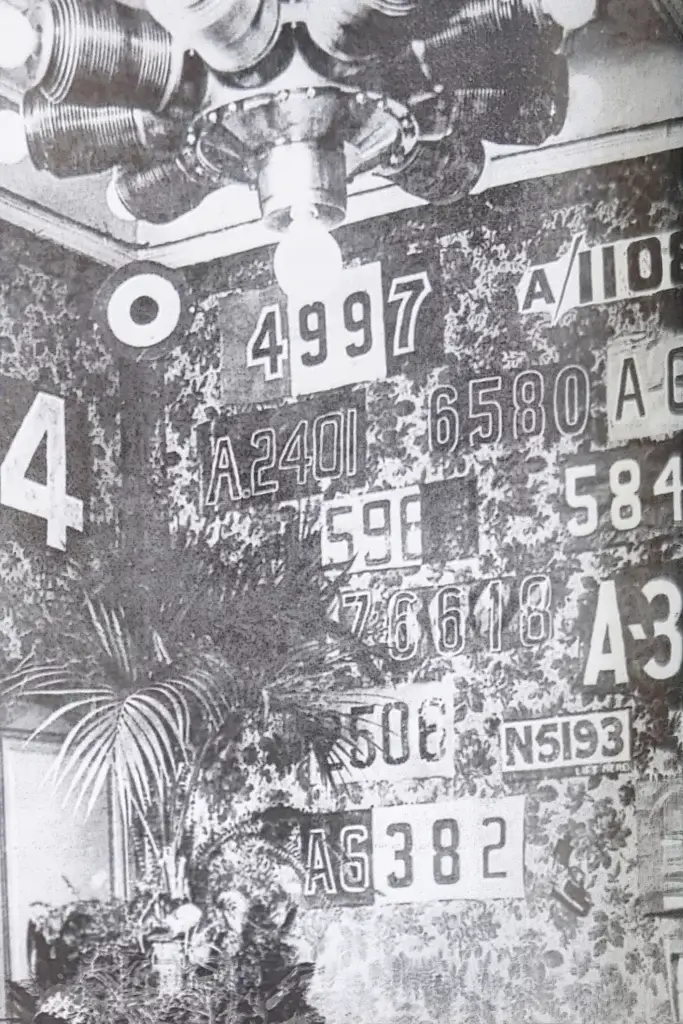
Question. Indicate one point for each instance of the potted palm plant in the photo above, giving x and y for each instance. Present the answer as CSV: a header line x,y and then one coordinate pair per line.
x,y
166,667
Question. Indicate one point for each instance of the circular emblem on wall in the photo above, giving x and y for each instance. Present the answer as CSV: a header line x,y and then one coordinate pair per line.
x,y
144,309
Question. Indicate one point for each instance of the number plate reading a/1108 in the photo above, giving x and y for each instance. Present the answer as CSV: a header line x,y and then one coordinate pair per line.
x,y
285,453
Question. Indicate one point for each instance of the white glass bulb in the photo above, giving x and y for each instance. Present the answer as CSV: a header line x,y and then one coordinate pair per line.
x,y
116,204
571,14
308,261
18,38
13,145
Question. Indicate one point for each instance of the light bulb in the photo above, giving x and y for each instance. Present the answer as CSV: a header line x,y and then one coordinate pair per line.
x,y
18,38
116,204
308,261
13,145
571,14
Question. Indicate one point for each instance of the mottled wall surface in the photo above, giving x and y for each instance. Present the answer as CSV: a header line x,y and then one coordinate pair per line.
x,y
48,345
527,959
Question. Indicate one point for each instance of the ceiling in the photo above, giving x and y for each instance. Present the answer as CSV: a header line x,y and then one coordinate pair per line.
x,y
626,100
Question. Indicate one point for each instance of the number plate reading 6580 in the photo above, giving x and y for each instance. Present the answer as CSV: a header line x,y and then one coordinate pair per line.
x,y
285,453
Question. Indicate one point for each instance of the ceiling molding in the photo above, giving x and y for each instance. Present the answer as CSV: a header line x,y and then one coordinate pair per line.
x,y
502,168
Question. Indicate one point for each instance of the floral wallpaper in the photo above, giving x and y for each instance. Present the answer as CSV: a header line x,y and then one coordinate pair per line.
x,y
487,961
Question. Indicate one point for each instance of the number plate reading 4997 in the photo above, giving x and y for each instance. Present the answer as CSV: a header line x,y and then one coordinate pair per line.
x,y
417,853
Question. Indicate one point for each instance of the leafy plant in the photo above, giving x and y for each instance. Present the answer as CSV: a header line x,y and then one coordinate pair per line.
x,y
108,977
173,659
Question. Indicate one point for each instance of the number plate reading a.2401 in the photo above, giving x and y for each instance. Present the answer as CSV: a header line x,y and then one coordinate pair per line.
x,y
405,733
419,853
285,453
567,744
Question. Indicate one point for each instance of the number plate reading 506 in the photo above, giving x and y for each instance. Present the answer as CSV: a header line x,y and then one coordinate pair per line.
x,y
406,733
419,853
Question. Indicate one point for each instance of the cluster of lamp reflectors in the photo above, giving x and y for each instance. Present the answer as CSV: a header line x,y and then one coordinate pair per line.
x,y
108,86
130,89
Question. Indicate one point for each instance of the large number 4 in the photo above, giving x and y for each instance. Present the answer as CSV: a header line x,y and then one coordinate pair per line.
x,y
410,291
48,501
267,346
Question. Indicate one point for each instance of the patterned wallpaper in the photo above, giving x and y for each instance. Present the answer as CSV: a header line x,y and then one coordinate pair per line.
x,y
568,941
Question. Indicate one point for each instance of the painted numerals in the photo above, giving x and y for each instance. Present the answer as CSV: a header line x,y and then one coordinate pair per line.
x,y
419,853
608,496
460,618
404,734
401,528
285,453
588,275
631,628
509,408
35,470
567,744
644,387
384,318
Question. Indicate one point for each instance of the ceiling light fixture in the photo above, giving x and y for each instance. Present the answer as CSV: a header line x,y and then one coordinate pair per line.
x,y
293,98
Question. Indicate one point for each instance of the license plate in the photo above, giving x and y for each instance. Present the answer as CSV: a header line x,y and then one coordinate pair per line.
x,y
567,744
630,628
403,733
512,407
402,527
384,318
285,453
465,849
644,387
631,494
459,618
